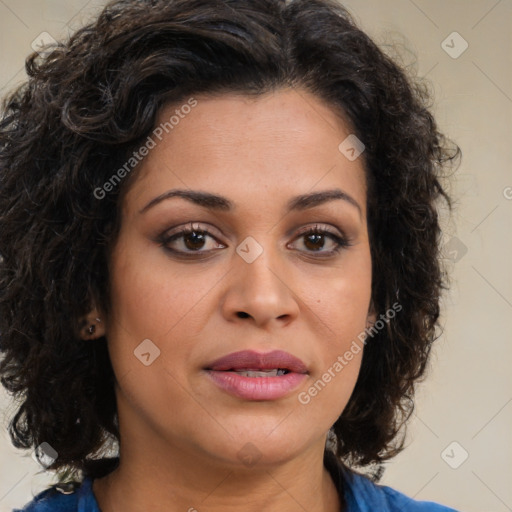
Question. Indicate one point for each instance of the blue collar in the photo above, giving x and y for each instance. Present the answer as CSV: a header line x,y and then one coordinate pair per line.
x,y
86,499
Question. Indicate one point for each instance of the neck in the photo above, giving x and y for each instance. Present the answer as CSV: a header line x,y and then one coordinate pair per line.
x,y
186,482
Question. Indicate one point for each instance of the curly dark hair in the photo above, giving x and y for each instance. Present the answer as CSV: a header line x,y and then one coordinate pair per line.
x,y
85,108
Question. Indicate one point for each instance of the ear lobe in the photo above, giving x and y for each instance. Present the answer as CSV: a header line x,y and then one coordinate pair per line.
x,y
92,326
372,315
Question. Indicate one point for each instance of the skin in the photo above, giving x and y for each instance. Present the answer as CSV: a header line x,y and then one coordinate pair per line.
x,y
181,435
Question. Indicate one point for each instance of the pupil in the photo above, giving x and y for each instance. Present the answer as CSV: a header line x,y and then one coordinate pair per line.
x,y
316,237
199,240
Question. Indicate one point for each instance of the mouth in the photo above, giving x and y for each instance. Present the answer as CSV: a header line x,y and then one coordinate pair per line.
x,y
255,372
258,376
267,362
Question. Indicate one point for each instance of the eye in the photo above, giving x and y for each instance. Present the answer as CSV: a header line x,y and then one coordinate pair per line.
x,y
192,241
314,239
189,241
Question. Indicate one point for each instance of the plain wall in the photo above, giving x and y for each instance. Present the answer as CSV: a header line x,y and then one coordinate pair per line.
x,y
467,397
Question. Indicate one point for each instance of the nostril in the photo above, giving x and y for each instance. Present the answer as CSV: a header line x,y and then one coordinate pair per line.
x,y
242,314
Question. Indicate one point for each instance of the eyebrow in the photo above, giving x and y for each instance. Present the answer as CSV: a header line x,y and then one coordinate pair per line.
x,y
219,203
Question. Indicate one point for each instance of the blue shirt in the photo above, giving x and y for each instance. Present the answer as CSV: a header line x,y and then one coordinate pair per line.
x,y
360,495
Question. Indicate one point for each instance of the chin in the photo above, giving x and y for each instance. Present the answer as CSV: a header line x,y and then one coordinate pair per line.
x,y
260,445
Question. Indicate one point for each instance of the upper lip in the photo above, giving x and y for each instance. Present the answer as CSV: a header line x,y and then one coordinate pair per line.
x,y
249,359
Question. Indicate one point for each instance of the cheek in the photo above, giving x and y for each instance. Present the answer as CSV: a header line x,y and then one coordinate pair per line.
x,y
150,296
341,310
149,305
157,301
342,304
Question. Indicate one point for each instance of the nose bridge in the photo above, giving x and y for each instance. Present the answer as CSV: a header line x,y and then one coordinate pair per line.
x,y
259,260
260,286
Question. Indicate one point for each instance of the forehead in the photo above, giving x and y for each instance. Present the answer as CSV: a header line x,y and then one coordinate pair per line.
x,y
283,142
294,115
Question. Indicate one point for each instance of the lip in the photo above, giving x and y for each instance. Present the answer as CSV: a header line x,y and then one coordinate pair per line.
x,y
258,360
257,388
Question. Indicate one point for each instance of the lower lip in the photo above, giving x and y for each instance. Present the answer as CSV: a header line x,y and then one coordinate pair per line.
x,y
256,388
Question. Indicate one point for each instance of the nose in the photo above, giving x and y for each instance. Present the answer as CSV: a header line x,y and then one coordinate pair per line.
x,y
261,290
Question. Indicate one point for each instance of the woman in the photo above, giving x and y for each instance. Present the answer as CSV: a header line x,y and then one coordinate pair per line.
x,y
219,241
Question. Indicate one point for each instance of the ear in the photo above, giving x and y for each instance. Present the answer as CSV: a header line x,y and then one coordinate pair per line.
x,y
372,315
92,326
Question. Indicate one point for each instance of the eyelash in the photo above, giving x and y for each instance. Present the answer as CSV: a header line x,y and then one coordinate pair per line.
x,y
341,241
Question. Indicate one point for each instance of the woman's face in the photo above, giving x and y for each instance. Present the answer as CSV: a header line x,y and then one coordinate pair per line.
x,y
255,282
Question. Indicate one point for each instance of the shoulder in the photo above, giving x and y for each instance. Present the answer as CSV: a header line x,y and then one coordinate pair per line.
x,y
57,498
363,495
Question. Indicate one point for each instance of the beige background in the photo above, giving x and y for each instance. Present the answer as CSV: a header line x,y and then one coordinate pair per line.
x,y
467,397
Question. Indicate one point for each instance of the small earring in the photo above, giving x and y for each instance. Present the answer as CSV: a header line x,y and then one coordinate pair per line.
x,y
90,330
